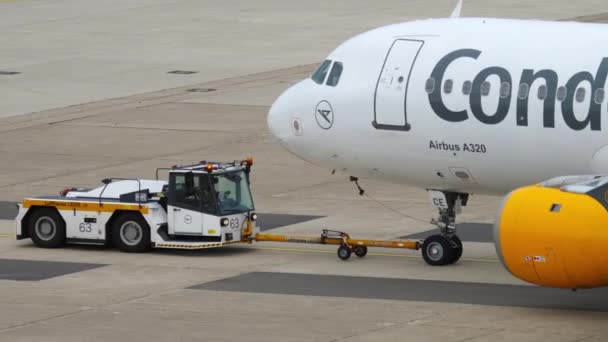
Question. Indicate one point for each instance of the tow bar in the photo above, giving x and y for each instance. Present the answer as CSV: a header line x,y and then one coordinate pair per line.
x,y
348,245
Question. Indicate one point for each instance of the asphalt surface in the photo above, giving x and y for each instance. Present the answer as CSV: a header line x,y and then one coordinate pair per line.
x,y
8,210
36,270
412,290
352,287
94,99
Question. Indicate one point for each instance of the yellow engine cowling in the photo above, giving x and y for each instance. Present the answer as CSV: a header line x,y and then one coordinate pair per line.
x,y
554,238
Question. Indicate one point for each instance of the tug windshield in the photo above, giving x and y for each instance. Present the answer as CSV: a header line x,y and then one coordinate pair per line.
x,y
233,192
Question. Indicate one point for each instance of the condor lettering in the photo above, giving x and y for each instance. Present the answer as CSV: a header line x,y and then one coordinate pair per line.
x,y
549,78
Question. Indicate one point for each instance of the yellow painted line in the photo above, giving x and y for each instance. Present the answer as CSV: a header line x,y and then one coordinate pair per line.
x,y
372,254
294,250
8,236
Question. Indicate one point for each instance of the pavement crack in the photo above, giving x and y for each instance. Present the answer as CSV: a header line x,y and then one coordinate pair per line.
x,y
224,104
472,338
104,106
112,165
44,320
588,337
227,131
86,309
381,328
312,185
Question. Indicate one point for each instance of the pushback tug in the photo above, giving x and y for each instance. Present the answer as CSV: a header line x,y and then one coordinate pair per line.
x,y
205,205
200,206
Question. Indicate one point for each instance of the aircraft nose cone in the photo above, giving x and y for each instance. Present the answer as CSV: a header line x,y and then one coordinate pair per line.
x,y
283,119
273,119
278,118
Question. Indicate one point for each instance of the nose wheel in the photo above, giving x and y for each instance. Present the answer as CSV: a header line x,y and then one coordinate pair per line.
x,y
444,248
438,250
457,248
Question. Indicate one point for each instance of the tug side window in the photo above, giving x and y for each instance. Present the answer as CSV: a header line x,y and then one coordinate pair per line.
x,y
319,75
187,192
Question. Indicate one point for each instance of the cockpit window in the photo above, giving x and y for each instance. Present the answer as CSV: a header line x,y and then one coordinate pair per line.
x,y
334,75
319,75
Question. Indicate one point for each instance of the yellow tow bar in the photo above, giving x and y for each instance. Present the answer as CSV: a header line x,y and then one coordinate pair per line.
x,y
347,244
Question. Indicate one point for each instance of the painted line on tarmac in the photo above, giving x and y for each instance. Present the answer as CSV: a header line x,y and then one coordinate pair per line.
x,y
302,250
7,236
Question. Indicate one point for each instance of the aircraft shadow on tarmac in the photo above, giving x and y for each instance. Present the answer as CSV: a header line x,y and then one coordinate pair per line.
x,y
470,232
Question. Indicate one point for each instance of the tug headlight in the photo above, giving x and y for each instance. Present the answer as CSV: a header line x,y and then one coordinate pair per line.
x,y
253,217
224,222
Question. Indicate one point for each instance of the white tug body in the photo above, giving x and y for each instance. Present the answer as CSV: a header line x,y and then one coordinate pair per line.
x,y
200,206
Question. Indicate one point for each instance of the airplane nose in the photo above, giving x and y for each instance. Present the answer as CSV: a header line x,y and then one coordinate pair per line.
x,y
283,119
273,118
278,118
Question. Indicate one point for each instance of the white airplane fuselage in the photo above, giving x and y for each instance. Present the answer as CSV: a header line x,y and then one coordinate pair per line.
x,y
467,105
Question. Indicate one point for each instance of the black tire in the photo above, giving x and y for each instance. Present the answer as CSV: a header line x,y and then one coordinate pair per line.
x,y
46,228
344,253
360,251
437,250
457,249
131,233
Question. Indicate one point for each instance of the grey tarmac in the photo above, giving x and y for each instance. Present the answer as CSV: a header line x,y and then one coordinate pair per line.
x,y
412,290
93,99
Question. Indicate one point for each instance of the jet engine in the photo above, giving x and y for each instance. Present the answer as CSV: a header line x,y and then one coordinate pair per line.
x,y
555,233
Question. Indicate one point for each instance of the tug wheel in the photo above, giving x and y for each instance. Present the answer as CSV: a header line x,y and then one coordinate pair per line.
x,y
344,253
46,228
360,251
437,250
457,249
131,233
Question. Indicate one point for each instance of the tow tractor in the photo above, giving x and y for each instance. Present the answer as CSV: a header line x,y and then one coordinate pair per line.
x,y
205,205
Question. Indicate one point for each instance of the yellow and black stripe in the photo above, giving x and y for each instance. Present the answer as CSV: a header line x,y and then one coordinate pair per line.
x,y
184,246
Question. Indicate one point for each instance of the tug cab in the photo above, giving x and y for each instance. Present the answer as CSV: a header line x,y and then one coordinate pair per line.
x,y
198,201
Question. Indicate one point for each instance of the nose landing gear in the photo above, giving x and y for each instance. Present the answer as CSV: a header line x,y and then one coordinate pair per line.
x,y
444,248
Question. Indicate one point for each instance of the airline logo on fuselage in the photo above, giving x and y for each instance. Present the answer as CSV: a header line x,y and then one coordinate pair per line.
x,y
591,120
324,115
